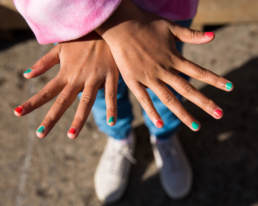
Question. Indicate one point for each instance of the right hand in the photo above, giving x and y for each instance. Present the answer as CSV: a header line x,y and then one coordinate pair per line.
x,y
86,66
143,46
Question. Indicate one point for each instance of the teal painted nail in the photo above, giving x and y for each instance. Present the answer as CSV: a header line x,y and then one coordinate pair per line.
x,y
41,129
195,125
229,86
111,119
28,71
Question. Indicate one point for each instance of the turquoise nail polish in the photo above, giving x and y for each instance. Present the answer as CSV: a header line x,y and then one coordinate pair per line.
x,y
229,86
111,119
195,125
28,71
41,129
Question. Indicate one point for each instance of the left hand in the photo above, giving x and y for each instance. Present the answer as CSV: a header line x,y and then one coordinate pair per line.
x,y
143,46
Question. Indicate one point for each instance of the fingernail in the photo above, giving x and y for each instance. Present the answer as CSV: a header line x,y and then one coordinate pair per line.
x,y
72,130
217,113
195,125
19,110
159,124
111,119
209,34
41,129
28,71
229,86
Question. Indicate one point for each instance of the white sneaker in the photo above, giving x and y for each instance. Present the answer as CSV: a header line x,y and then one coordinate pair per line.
x,y
113,169
175,170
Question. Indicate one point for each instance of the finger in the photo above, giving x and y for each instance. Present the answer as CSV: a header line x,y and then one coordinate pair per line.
x,y
144,99
53,88
86,102
44,64
169,99
184,88
191,36
111,99
63,101
193,70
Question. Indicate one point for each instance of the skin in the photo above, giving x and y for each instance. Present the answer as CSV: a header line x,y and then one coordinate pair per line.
x,y
89,67
143,46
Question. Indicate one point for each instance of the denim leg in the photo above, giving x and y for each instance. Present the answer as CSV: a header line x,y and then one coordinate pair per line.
x,y
124,112
171,121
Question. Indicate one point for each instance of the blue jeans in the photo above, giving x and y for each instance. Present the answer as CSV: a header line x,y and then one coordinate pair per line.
x,y
124,110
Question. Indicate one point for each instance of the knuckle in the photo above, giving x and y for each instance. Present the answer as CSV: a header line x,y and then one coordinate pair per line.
x,y
49,118
30,104
201,72
62,99
56,59
78,119
151,113
86,99
148,76
175,60
96,71
188,90
163,71
184,116
206,103
74,83
111,109
144,101
42,62
44,94
111,94
169,100
219,80
193,34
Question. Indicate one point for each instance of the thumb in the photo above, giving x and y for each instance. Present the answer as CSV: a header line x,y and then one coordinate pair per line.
x,y
44,64
190,36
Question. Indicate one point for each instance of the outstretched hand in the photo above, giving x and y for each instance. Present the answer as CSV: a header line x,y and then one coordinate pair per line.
x,y
86,65
143,46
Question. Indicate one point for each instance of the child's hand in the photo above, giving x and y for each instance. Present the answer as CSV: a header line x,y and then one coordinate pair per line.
x,y
86,66
143,46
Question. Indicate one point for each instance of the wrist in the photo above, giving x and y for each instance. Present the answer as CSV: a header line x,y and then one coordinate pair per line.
x,y
126,13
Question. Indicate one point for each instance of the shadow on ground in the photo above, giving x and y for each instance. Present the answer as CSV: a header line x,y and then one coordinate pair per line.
x,y
224,154
10,38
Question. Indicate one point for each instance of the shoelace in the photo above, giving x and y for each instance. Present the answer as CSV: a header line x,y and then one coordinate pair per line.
x,y
118,168
170,155
127,153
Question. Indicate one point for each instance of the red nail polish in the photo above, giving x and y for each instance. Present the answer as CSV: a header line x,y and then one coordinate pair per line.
x,y
159,124
209,34
72,131
218,113
19,110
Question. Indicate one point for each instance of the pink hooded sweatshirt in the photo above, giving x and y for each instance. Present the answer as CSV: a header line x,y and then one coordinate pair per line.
x,y
63,20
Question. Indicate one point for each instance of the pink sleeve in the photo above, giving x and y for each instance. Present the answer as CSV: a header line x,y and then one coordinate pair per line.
x,y
64,20
174,10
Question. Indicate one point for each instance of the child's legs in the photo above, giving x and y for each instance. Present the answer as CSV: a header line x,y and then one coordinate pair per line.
x,y
124,113
171,122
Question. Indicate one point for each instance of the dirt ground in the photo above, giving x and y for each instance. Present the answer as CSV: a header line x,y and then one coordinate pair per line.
x,y
57,171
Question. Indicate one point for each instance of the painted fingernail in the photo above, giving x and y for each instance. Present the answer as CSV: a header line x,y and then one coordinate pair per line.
x,y
28,71
111,119
72,130
19,110
217,113
209,34
159,124
41,129
229,86
195,125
